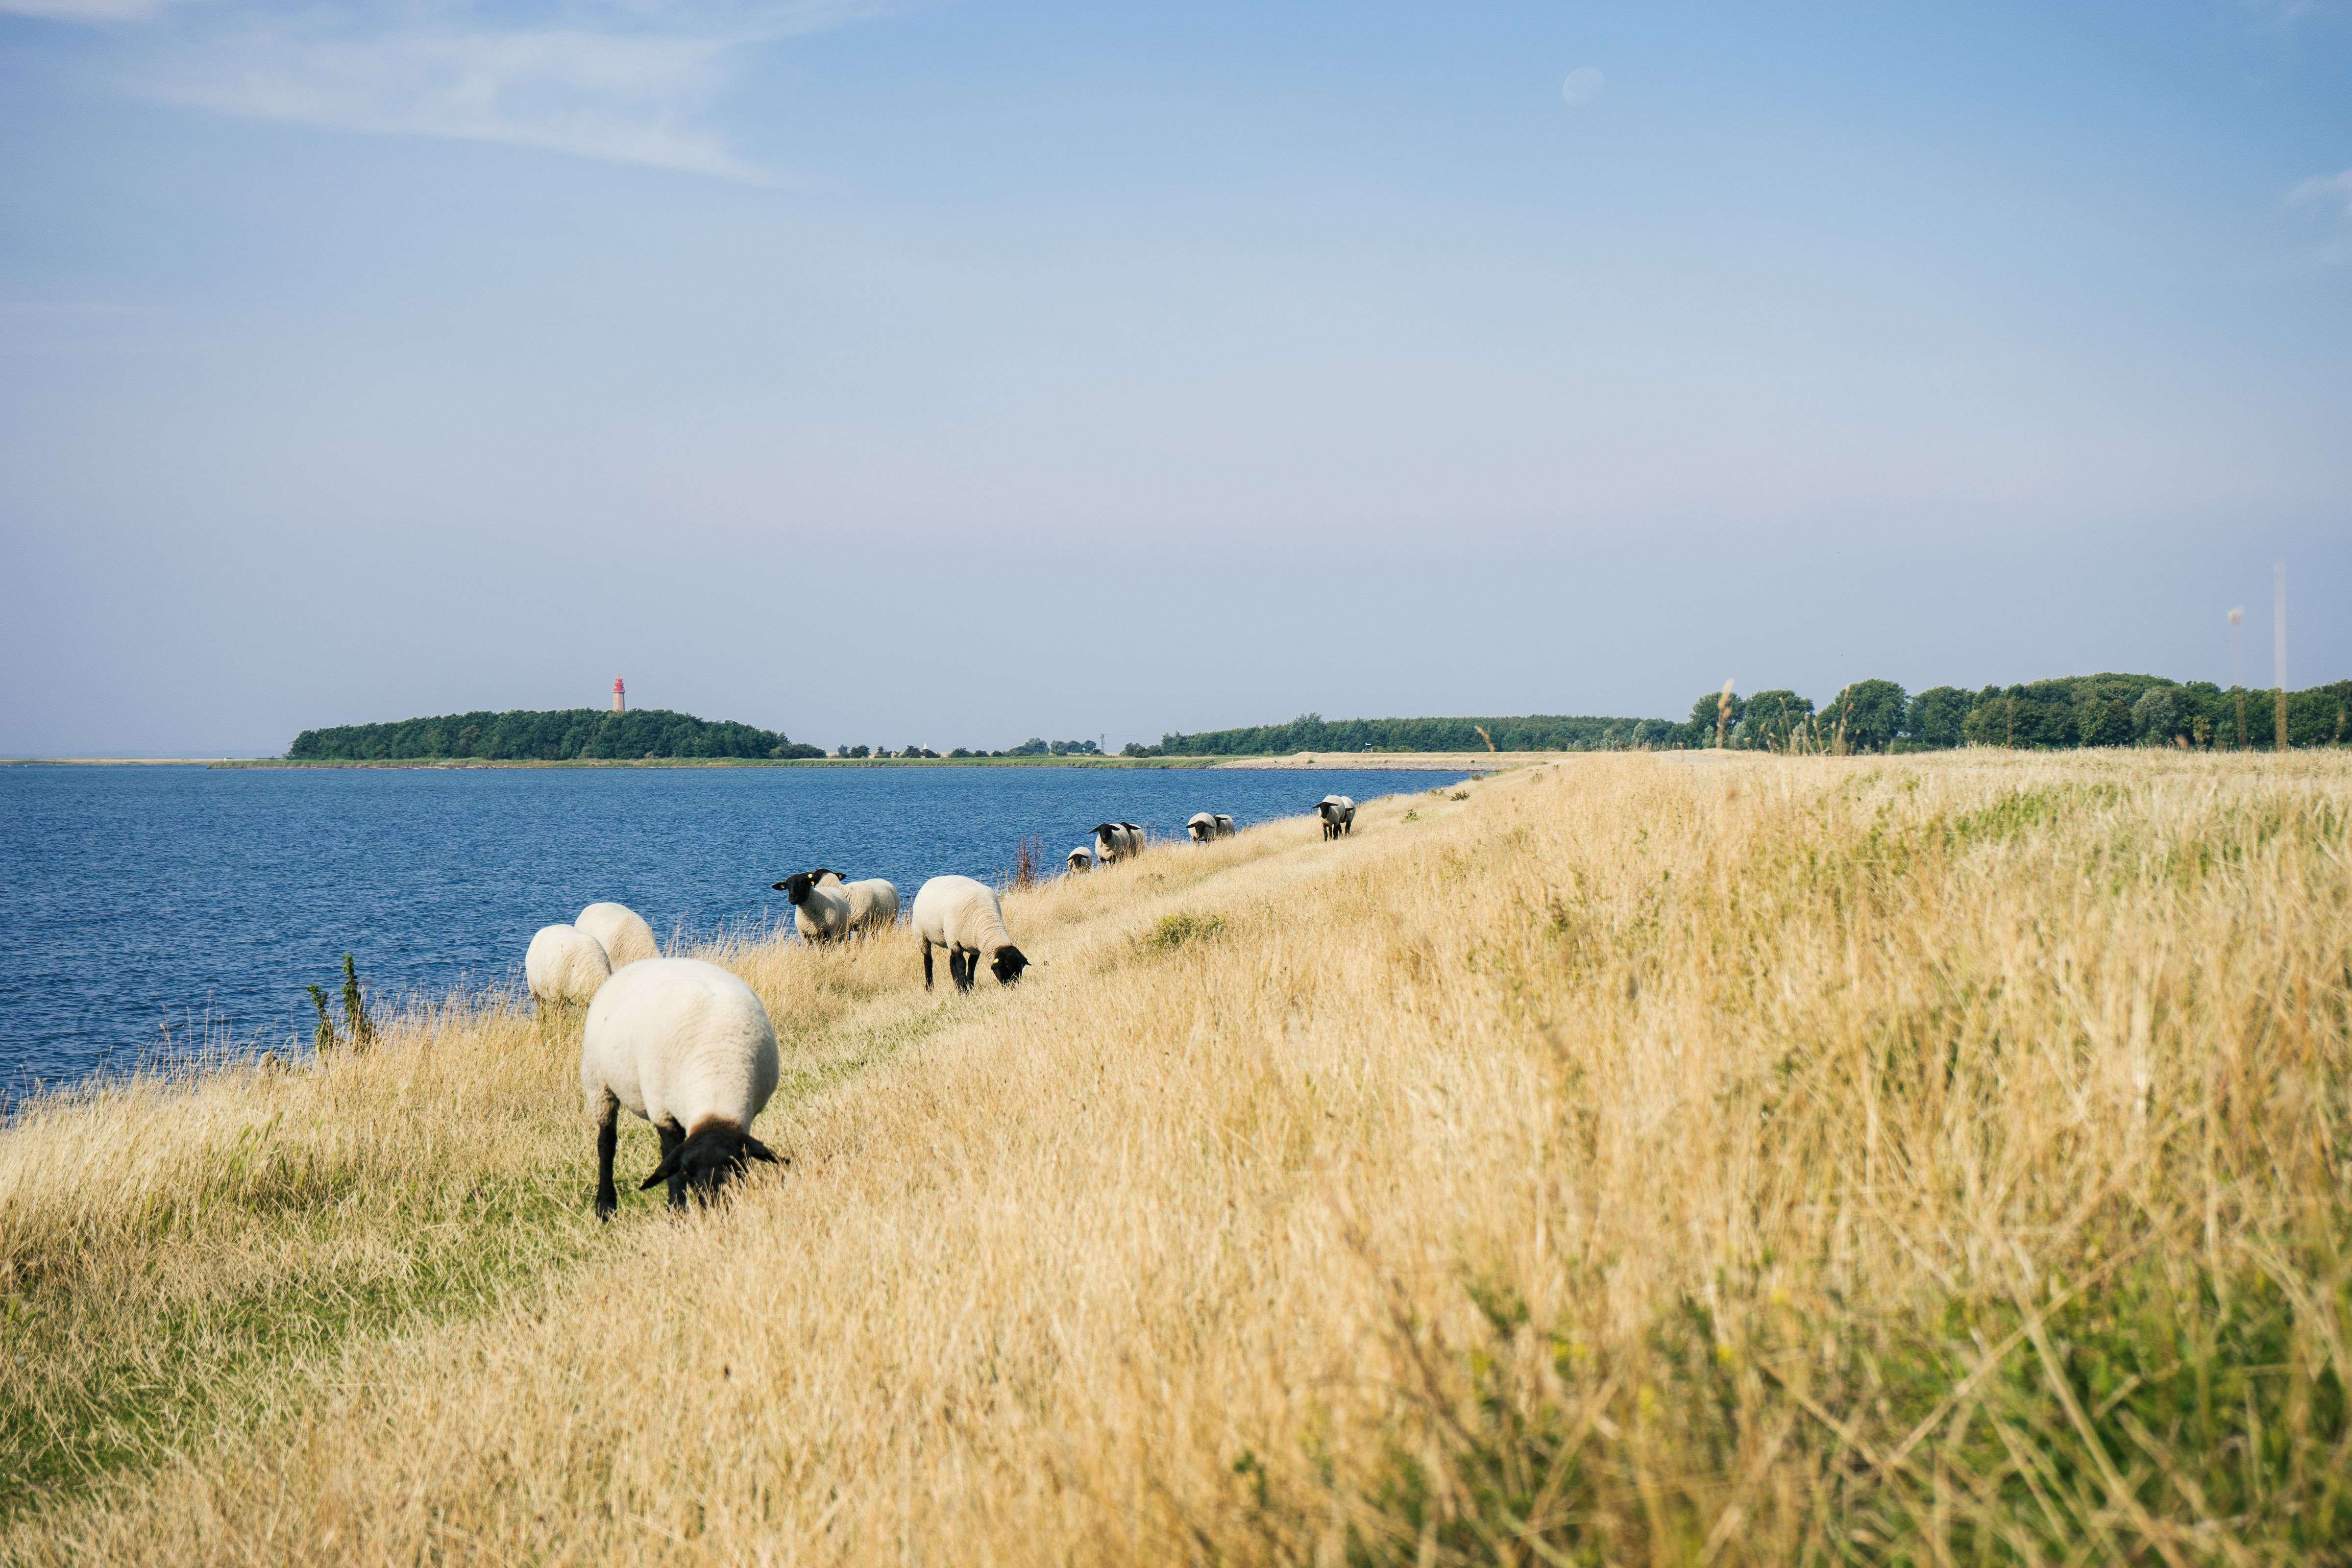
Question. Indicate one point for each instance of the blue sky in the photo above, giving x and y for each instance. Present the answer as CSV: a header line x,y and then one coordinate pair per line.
x,y
953,373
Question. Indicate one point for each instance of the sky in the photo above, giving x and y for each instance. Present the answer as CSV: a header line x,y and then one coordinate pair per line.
x,y
947,374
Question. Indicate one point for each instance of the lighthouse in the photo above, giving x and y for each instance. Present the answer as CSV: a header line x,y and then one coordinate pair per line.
x,y
620,695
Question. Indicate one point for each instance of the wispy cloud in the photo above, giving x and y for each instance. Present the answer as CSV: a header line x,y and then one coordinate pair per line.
x,y
2334,190
634,82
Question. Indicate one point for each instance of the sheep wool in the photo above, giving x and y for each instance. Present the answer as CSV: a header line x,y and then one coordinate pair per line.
x,y
626,937
564,966
963,916
1339,813
687,1046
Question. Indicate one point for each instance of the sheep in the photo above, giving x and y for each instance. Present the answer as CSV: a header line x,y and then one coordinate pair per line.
x,y
872,901
963,916
624,932
687,1046
1208,825
564,966
821,910
1114,841
1339,813
1082,859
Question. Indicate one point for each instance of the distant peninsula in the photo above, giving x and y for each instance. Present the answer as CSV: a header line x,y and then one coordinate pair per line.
x,y
564,735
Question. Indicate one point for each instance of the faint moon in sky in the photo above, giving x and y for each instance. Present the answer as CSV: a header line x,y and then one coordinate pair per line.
x,y
1582,86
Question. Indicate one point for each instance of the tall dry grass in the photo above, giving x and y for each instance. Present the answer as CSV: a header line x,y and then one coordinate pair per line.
x,y
1752,1160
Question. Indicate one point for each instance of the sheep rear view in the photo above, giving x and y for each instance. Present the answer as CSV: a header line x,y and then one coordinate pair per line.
x,y
687,1046
626,937
564,966
963,916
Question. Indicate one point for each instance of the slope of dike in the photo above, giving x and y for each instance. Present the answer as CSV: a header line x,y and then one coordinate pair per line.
x,y
1736,1159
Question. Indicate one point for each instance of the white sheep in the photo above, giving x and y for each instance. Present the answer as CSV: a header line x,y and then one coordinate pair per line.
x,y
687,1046
1339,813
963,916
1208,825
821,910
624,932
1082,859
1114,841
564,966
873,900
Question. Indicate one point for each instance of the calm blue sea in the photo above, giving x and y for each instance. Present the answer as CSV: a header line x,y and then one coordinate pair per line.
x,y
156,912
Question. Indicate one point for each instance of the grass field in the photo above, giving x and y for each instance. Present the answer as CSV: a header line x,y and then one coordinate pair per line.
x,y
1642,1160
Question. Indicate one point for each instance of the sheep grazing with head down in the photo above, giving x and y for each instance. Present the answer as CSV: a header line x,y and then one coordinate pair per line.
x,y
820,909
1082,859
963,916
688,1048
626,937
564,966
1339,813
1115,841
873,900
1208,825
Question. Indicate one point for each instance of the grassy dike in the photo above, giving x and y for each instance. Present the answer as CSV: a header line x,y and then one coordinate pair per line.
x,y
1663,1159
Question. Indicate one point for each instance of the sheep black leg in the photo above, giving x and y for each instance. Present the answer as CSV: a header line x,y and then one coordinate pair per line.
x,y
671,1137
608,1133
927,963
960,968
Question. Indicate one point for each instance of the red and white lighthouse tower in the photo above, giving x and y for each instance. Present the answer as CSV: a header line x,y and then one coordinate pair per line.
x,y
620,695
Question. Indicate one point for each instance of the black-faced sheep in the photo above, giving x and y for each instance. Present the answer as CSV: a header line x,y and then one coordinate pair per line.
x,y
873,900
820,909
963,916
1114,841
1082,859
1339,813
623,931
687,1046
564,966
1207,824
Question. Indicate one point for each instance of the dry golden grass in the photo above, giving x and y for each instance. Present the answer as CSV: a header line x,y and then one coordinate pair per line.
x,y
1744,1160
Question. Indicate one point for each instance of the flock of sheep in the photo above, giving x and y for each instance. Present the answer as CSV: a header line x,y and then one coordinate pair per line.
x,y
688,1046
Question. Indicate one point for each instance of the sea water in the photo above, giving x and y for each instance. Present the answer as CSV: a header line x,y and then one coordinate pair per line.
x,y
156,913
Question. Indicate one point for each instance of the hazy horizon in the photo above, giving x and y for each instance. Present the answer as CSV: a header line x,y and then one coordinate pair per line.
x,y
949,374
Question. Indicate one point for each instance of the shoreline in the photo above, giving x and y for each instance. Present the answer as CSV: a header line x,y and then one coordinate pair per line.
x,y
1330,761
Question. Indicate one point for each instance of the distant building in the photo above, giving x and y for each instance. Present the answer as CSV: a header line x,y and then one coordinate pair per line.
x,y
620,695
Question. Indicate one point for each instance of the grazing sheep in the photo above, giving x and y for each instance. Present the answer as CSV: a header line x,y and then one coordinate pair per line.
x,y
626,937
963,916
687,1045
872,901
564,966
1208,825
1114,841
821,910
1339,813
1082,859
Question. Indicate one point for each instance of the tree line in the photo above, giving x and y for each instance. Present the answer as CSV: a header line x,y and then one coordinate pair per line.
x,y
2110,709
1313,733
563,735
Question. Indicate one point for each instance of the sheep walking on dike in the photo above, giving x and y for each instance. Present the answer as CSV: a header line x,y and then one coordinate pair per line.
x,y
1339,813
821,910
1082,859
564,966
622,931
873,900
1114,841
1208,825
963,916
687,1046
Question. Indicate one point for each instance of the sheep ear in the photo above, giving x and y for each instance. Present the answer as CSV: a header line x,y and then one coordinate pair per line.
x,y
778,886
663,1171
759,1151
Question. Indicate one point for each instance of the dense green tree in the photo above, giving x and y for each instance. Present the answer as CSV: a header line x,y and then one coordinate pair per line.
x,y
1936,716
1776,719
1868,714
1311,733
1702,728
